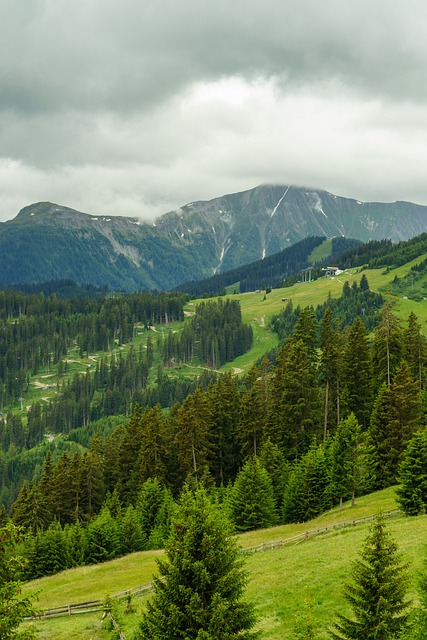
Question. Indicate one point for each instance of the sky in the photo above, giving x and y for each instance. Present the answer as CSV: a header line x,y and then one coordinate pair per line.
x,y
137,107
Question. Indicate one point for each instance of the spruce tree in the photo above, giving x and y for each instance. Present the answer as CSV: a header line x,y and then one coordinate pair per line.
x,y
387,345
345,459
377,592
415,349
330,365
357,373
14,607
395,418
199,593
252,503
295,415
412,492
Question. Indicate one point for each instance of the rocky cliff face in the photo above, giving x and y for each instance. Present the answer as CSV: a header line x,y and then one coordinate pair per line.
x,y
47,241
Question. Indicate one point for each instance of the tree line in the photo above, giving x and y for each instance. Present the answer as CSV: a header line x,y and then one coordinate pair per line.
x,y
36,331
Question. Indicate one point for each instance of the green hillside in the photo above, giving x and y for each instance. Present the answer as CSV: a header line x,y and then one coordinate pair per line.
x,y
280,580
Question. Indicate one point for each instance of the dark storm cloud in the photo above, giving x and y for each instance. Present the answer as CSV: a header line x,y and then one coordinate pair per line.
x,y
132,106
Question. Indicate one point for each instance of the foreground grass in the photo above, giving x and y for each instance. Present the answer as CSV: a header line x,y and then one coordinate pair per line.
x,y
280,580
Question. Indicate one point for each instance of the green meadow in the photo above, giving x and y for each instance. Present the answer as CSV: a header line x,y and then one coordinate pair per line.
x,y
280,581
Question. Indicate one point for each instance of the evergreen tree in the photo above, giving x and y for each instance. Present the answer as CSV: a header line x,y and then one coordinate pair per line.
x,y
357,373
306,493
345,459
330,365
198,596
193,439
153,446
395,418
377,594
414,349
131,535
149,501
278,469
412,492
252,501
103,538
224,406
254,405
387,346
14,607
49,553
295,414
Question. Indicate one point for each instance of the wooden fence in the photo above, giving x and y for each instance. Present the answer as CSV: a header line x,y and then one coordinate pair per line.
x,y
300,537
100,605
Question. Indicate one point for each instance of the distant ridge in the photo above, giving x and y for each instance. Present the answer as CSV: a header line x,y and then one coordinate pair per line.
x,y
47,241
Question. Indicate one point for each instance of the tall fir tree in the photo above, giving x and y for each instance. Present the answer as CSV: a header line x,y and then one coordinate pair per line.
x,y
395,418
295,414
346,460
357,373
387,345
254,406
414,349
224,407
199,593
330,368
252,503
412,489
377,594
14,606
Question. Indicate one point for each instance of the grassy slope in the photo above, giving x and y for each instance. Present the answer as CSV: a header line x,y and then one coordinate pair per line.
x,y
255,310
258,312
279,580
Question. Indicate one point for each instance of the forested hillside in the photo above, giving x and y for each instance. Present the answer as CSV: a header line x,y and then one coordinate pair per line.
x,y
273,270
331,418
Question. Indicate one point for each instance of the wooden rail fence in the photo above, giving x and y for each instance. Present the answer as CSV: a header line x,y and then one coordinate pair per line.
x,y
99,605
300,537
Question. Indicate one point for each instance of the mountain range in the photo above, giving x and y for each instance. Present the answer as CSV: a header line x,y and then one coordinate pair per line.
x,y
47,241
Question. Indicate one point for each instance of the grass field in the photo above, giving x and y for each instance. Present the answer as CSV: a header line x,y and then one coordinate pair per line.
x,y
280,580
257,310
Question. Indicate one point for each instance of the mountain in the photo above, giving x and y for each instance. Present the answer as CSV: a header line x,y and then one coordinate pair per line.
x,y
47,241
274,269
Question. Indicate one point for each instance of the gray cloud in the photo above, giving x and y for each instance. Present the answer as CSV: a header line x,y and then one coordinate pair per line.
x,y
138,107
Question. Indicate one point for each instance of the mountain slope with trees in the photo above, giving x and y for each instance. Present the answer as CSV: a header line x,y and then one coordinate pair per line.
x,y
47,241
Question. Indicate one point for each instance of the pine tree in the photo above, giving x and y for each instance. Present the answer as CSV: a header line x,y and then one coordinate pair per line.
x,y
103,538
377,594
14,607
396,416
224,400
153,446
387,346
412,492
306,494
132,538
198,596
193,440
252,501
345,459
330,364
414,349
149,501
254,405
357,373
295,414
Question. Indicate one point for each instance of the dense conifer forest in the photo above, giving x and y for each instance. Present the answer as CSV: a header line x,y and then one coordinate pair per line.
x,y
328,419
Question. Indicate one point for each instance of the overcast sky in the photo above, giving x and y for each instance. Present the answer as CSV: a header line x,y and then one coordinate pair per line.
x,y
135,107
